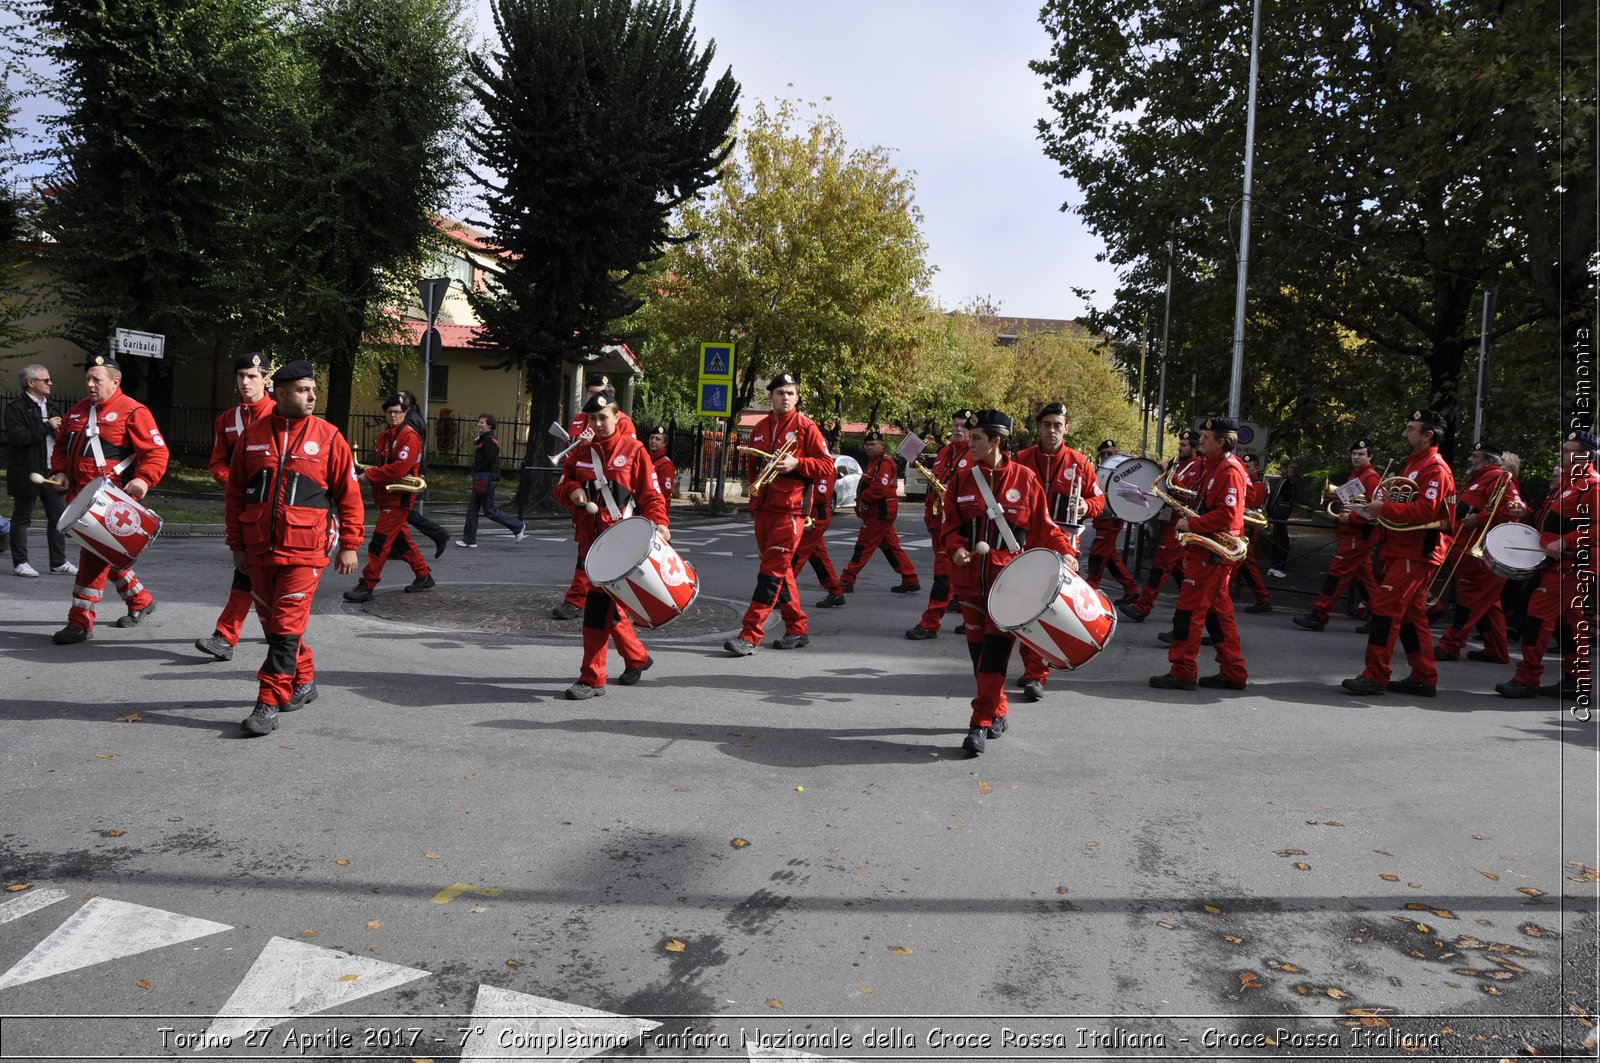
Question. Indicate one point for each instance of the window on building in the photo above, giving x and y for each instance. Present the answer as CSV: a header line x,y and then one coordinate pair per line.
x,y
438,383
388,379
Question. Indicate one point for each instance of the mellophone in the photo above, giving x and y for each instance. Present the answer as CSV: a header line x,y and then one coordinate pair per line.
x,y
411,485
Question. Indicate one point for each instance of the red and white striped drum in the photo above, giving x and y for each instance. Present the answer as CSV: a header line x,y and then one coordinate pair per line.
x,y
1064,619
109,522
645,576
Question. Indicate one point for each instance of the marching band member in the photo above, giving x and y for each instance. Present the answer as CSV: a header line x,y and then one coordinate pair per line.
x,y
398,453
878,504
630,479
250,378
666,473
994,510
1205,600
1255,496
813,548
1411,558
1167,561
291,500
1478,586
1063,472
951,459
571,606
779,513
1103,553
108,434
1352,557
1564,599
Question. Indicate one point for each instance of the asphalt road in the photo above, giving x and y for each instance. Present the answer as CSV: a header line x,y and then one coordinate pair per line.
x,y
787,850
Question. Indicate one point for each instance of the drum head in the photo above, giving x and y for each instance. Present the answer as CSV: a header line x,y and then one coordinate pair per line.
x,y
620,549
1026,588
81,503
1127,489
1514,550
1104,470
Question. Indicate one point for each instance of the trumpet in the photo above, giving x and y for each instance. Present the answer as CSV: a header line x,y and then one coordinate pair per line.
x,y
1225,545
1476,550
771,470
1403,489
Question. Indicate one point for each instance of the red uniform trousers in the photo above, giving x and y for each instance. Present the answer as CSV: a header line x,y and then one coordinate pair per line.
x,y
990,649
283,596
602,620
1352,560
814,550
777,537
230,624
1556,606
878,534
1250,572
1103,555
1167,561
392,537
578,590
90,584
939,592
1205,603
1400,610
1478,591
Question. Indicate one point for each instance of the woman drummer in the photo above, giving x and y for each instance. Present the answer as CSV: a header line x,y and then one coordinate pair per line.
x,y
994,510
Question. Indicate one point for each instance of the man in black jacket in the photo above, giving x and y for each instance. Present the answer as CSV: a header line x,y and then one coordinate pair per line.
x,y
1280,507
30,431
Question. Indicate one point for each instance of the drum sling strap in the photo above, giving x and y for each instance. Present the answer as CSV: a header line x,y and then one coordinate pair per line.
x,y
992,509
92,432
605,488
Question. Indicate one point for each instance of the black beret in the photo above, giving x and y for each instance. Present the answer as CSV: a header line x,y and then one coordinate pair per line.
x,y
1050,408
990,421
1219,425
1107,444
107,360
253,360
388,404
1190,436
597,380
1429,418
658,430
1493,450
872,437
300,370
1362,444
1588,439
599,401
962,415
783,380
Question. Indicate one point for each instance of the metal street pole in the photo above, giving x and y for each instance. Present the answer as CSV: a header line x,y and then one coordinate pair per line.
x,y
1144,392
1166,332
1235,384
1490,295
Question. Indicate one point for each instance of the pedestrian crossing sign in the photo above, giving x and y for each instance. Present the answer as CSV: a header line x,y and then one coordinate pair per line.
x,y
716,399
716,362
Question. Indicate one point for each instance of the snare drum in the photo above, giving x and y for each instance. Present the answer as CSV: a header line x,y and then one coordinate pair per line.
x,y
1126,482
110,523
1513,550
1064,619
645,576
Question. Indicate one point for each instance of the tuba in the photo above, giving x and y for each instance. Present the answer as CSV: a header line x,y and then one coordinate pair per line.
x,y
1225,545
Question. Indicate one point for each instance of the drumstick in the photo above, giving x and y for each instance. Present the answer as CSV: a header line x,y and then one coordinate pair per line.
x,y
981,548
36,478
40,479
590,507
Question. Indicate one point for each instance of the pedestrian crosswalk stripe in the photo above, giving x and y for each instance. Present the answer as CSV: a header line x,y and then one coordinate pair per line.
x,y
29,903
757,1053
291,979
539,1028
106,930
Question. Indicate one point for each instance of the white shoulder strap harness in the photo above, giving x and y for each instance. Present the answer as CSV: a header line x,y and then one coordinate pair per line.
x,y
92,431
993,510
605,487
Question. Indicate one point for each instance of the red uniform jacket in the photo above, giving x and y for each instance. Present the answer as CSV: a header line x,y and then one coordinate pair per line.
x,y
666,475
823,500
227,431
1478,492
1436,500
627,470
125,427
878,495
966,523
625,426
787,493
1568,516
291,496
952,458
1058,473
1223,487
399,453
1255,494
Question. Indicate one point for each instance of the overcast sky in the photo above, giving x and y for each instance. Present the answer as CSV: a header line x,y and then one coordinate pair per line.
x,y
945,85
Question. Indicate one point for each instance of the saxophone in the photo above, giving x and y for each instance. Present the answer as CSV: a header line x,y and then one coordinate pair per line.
x,y
1225,545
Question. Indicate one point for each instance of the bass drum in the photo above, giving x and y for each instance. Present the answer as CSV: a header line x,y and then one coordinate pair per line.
x,y
1513,551
646,577
1066,621
1126,481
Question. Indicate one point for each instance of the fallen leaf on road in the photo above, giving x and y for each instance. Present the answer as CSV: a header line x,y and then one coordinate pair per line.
x,y
739,843
373,924
132,717
347,978
1234,939
1301,866
1414,885
799,789
18,887
1061,889
430,856
1166,926
1390,878
1534,930
143,983
1530,891
476,910
107,756
1383,852
1494,990
342,862
680,789
1279,965
513,963
1490,875
1091,845
984,787
1480,837
1467,941
901,950
1333,823
674,945
774,1002
112,833
1291,852
308,933
1211,909
1249,980
863,989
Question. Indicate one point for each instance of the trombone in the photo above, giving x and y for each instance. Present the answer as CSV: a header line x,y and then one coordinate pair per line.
x,y
1476,550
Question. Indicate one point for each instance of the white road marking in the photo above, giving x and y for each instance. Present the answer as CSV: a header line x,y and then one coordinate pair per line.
x,y
787,1053
291,979
539,1028
29,903
106,930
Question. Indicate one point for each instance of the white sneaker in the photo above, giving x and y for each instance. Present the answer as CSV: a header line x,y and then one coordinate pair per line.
x,y
66,568
27,570
517,538
466,545
1277,573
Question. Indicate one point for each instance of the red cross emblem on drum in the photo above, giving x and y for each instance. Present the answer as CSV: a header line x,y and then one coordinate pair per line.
x,y
122,518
